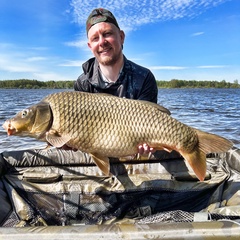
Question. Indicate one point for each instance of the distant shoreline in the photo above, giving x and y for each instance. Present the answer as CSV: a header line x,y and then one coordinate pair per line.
x,y
68,84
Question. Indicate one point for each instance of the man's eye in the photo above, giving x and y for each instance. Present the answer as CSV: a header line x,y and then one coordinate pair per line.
x,y
107,34
95,39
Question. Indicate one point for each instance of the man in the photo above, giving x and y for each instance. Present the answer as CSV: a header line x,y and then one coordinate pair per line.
x,y
110,71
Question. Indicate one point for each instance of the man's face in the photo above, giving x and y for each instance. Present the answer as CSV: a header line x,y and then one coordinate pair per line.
x,y
105,41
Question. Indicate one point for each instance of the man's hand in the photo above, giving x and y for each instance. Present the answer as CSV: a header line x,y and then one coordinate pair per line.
x,y
145,149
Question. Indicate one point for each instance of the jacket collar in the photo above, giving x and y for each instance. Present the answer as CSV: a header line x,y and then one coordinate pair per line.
x,y
91,70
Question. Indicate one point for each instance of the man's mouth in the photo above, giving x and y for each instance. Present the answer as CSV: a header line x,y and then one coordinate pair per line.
x,y
104,51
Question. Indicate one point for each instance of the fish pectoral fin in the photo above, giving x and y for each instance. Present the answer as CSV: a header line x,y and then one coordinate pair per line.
x,y
57,140
102,162
197,161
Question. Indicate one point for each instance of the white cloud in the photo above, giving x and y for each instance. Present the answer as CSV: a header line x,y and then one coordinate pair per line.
x,y
39,48
35,59
184,67
167,68
207,72
134,13
81,43
8,64
46,76
197,34
4,45
20,61
72,63
212,66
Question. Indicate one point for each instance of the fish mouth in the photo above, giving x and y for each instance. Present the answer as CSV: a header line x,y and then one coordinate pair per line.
x,y
11,130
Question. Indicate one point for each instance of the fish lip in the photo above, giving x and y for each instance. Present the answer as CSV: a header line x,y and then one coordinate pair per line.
x,y
11,130
6,124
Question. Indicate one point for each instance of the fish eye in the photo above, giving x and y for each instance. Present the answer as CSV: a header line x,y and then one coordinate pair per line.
x,y
25,113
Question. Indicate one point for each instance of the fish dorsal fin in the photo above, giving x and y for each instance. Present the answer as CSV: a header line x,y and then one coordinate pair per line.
x,y
105,94
102,162
159,107
56,140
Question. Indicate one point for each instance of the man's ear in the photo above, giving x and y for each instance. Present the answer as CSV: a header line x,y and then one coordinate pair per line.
x,y
122,36
89,45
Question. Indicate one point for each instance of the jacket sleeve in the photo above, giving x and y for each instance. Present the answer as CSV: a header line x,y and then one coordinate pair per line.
x,y
82,84
149,90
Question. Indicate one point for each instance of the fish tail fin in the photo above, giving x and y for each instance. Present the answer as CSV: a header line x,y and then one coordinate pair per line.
x,y
212,143
207,143
197,161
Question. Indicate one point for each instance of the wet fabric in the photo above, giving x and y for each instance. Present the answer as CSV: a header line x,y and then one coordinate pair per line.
x,y
63,188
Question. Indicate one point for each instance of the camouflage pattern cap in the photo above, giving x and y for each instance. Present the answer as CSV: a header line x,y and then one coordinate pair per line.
x,y
100,15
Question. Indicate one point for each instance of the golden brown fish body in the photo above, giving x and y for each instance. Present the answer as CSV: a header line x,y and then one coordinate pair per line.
x,y
108,126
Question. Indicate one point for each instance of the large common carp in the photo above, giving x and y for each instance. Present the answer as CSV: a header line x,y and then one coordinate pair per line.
x,y
108,126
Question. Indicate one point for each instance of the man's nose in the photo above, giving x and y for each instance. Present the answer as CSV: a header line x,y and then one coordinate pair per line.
x,y
102,40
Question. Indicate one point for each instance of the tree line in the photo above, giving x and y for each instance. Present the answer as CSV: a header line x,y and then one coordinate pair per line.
x,y
35,84
176,83
68,84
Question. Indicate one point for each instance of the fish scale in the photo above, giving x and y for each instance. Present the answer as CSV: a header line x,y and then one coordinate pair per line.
x,y
103,116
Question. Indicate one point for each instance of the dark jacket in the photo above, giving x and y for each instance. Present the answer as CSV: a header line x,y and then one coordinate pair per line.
x,y
134,82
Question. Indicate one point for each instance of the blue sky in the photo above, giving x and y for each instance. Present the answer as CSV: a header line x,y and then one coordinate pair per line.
x,y
181,39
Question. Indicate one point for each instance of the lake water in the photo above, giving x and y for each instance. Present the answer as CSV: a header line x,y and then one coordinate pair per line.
x,y
212,110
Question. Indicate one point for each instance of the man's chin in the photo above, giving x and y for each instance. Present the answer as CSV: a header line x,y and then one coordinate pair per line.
x,y
107,61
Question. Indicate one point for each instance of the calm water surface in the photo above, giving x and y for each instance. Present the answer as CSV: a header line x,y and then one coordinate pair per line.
x,y
211,110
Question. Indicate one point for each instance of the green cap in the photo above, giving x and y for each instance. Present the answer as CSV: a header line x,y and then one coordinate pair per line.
x,y
100,15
